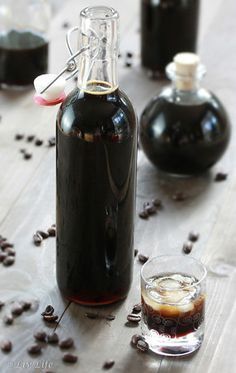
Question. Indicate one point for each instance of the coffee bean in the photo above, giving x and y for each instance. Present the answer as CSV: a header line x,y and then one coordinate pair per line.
x,y
17,310
19,136
135,338
137,308
6,245
193,236
49,310
179,196
52,141
10,251
142,346
69,358
110,317
53,338
6,346
35,349
108,364
2,256
38,239
40,336
221,176
8,319
50,318
129,54
143,214
128,64
52,231
8,261
92,315
135,252
132,317
142,258
157,202
26,305
38,142
22,150
30,138
187,247
43,234
65,24
150,208
27,156
66,343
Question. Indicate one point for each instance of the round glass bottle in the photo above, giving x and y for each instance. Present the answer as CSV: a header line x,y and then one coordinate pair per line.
x,y
185,130
168,27
23,41
96,172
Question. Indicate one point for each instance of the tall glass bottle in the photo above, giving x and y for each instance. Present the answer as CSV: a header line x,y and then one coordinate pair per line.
x,y
96,172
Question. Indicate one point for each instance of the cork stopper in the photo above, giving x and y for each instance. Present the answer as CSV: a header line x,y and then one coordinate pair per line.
x,y
186,67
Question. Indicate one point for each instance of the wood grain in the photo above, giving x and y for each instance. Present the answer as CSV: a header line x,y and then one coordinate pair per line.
x,y
27,203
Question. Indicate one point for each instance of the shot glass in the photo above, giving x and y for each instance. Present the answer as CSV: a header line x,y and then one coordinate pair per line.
x,y
173,292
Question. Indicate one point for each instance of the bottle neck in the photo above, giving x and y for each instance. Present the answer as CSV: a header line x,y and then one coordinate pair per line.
x,y
98,64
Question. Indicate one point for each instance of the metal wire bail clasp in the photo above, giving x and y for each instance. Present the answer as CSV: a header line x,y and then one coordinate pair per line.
x,y
50,87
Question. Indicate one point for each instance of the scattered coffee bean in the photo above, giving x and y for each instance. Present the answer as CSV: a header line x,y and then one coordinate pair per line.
x,y
142,346
193,236
6,245
52,141
179,196
187,247
26,305
8,261
30,138
129,54
3,255
133,317
69,358
35,349
38,142
27,156
6,346
53,338
128,64
38,239
143,214
135,252
50,318
135,338
137,308
52,231
142,258
40,336
66,343
10,251
150,208
17,310
8,319
110,317
22,150
108,364
49,310
221,176
19,136
157,202
43,234
92,315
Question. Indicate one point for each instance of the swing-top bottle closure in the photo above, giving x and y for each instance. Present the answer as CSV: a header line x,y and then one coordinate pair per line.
x,y
98,42
186,71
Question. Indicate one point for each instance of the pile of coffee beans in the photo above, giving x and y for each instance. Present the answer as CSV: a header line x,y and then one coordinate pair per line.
x,y
134,318
139,342
14,310
41,235
7,252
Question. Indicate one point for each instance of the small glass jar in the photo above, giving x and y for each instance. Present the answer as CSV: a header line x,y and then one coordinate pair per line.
x,y
23,41
168,27
185,130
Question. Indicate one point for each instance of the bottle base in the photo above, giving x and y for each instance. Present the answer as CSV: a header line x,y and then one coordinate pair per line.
x,y
93,301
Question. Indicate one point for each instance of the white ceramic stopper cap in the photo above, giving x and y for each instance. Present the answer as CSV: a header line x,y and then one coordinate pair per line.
x,y
186,65
54,91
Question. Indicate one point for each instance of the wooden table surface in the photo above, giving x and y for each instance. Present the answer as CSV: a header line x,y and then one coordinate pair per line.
x,y
27,203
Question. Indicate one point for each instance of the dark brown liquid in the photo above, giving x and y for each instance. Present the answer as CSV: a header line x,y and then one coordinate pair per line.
x,y
184,139
168,28
23,56
96,174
